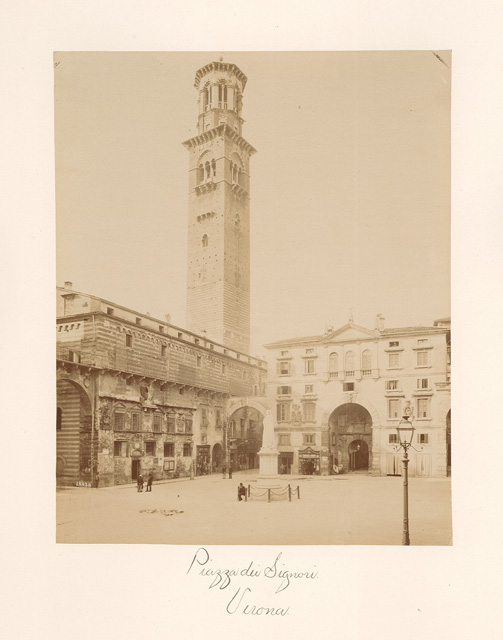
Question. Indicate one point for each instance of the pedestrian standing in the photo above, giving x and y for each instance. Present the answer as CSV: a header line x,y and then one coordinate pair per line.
x,y
149,481
224,469
230,471
139,485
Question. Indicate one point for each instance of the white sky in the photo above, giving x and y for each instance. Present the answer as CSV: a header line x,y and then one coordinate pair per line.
x,y
350,188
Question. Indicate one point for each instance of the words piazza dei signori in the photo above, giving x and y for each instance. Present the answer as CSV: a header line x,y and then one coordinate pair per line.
x,y
136,393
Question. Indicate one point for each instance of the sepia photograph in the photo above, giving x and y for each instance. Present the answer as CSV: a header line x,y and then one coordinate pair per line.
x,y
253,322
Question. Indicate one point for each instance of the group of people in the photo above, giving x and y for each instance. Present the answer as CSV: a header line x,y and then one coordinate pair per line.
x,y
140,481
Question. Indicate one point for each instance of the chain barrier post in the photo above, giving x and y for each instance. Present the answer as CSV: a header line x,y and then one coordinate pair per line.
x,y
289,493
268,495
298,492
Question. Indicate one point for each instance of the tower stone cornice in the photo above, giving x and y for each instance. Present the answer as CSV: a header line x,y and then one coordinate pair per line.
x,y
229,67
221,130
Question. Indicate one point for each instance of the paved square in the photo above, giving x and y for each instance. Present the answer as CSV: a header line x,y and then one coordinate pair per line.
x,y
345,509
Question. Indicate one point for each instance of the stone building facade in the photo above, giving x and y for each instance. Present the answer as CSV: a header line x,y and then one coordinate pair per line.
x,y
340,396
218,269
139,394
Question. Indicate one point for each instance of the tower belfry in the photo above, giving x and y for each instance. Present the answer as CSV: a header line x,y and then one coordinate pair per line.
x,y
218,277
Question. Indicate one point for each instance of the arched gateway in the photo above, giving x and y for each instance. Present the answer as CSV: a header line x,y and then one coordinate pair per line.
x,y
244,433
74,433
350,428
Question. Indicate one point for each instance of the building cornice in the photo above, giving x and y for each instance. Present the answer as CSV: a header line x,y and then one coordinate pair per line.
x,y
228,67
223,130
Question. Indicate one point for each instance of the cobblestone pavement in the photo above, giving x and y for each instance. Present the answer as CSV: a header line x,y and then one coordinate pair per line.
x,y
345,509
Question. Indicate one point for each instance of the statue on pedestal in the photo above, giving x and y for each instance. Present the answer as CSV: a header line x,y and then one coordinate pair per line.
x,y
268,440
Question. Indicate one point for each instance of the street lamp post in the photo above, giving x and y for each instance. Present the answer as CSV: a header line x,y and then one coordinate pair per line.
x,y
405,432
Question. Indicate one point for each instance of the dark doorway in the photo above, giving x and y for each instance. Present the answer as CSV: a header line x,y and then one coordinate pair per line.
x,y
285,462
358,455
135,469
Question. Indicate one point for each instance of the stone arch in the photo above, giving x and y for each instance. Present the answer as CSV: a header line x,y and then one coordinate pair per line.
x,y
238,403
217,457
348,423
244,419
74,431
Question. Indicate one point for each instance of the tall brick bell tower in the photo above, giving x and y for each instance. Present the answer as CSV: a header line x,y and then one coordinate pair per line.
x,y
218,278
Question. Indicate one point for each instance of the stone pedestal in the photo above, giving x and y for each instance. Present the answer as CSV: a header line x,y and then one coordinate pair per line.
x,y
268,477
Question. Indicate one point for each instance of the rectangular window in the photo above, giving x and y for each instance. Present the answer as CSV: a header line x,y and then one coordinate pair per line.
x,y
171,424
150,448
129,340
348,386
204,416
242,426
392,385
394,360
309,438
187,450
169,465
422,358
74,356
308,389
169,450
157,423
283,412
393,409
283,368
135,421
394,344
284,353
423,407
119,420
309,366
309,411
422,438
422,341
422,383
284,439
163,349
252,429
219,418
188,425
393,438
120,448
284,391
308,351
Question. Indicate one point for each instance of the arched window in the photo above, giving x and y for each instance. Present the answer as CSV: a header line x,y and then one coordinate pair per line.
x,y
200,174
205,240
366,363
205,99
349,364
222,96
207,170
333,365
214,168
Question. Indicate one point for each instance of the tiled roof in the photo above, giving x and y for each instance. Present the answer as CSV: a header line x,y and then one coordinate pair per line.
x,y
294,341
409,330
